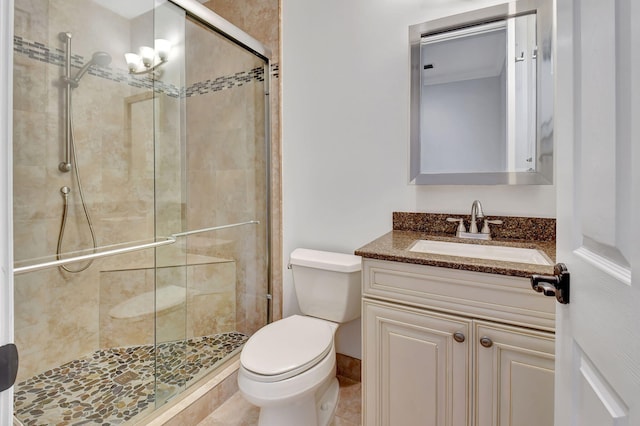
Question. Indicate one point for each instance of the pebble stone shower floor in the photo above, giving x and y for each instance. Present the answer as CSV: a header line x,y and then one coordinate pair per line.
x,y
111,386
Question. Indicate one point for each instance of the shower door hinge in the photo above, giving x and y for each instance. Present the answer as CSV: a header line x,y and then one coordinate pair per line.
x,y
8,366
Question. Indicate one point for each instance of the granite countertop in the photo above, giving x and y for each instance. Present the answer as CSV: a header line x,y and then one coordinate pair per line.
x,y
394,246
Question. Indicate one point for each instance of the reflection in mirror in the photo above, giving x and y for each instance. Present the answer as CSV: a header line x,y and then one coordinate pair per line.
x,y
477,113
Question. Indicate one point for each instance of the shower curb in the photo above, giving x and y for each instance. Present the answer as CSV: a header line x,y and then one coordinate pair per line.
x,y
197,404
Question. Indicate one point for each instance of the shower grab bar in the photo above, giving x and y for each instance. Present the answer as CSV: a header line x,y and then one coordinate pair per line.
x,y
215,228
61,262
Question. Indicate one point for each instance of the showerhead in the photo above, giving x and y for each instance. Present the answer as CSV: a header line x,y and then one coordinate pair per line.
x,y
99,58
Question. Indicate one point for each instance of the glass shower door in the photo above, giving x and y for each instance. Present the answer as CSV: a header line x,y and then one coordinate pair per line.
x,y
216,203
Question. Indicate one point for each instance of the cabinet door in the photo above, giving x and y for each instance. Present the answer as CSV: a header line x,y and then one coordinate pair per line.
x,y
514,376
416,372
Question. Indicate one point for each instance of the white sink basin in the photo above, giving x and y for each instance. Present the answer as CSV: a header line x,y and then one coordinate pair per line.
x,y
502,253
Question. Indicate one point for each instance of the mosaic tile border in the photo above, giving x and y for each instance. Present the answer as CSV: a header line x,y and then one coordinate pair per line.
x,y
112,386
40,52
222,83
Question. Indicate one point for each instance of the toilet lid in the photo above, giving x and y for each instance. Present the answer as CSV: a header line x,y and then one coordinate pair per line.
x,y
287,347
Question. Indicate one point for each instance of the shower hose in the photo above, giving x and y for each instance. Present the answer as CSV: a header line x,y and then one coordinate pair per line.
x,y
65,191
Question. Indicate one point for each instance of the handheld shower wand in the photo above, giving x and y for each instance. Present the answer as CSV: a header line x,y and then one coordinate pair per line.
x,y
68,84
99,58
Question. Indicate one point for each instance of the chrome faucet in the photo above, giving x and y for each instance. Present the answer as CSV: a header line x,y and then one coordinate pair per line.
x,y
476,213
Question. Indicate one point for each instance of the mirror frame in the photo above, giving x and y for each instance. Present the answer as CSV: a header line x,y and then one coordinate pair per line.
x,y
544,88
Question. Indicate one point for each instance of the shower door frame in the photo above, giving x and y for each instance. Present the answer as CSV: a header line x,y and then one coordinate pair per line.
x,y
224,27
193,9
6,194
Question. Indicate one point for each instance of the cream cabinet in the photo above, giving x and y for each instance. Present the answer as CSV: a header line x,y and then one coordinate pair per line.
x,y
455,348
415,372
513,376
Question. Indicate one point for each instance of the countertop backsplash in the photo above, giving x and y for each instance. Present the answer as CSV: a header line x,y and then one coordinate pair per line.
x,y
513,227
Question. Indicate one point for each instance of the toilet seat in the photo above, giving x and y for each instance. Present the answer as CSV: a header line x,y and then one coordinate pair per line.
x,y
297,344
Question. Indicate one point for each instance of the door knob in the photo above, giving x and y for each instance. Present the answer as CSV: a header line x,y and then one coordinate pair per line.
x,y
458,337
553,285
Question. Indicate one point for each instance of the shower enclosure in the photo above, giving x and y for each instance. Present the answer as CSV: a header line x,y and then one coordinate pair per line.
x,y
141,205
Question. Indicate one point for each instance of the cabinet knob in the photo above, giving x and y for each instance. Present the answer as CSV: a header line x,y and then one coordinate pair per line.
x,y
458,337
486,342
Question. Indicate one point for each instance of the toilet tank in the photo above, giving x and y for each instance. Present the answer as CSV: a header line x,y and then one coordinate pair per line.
x,y
328,285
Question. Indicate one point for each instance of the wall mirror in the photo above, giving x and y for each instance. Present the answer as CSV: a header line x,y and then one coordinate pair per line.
x,y
482,97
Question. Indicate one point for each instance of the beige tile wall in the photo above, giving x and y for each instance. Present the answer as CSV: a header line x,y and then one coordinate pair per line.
x,y
225,140
261,20
57,312
202,301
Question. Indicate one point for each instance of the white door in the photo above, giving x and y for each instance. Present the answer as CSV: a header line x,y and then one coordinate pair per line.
x,y
597,125
6,246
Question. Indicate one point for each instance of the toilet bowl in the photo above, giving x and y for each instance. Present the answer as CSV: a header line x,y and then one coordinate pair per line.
x,y
288,368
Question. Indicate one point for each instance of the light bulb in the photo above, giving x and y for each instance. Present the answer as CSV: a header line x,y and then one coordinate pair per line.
x,y
133,60
163,47
148,55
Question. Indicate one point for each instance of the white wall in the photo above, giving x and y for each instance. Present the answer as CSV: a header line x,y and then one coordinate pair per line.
x,y
345,131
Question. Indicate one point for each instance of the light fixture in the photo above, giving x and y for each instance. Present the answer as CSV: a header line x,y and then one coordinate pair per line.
x,y
162,47
150,57
133,61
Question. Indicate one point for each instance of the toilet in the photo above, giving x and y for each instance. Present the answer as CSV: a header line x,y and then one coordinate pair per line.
x,y
288,367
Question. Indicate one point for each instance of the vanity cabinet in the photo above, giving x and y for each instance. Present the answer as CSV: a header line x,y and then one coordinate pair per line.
x,y
415,373
449,347
513,375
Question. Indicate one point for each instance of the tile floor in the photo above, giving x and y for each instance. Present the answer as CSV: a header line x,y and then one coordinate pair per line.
x,y
114,385
238,412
